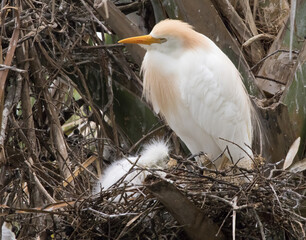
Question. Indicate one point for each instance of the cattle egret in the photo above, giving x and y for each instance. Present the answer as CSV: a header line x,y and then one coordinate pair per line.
x,y
198,90
154,155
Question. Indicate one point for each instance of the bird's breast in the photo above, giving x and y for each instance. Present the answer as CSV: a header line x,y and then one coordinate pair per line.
x,y
160,86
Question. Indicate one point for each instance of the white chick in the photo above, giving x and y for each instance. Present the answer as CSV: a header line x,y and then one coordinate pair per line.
x,y
7,233
154,155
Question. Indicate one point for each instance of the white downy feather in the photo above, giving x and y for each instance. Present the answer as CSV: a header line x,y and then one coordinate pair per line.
x,y
154,155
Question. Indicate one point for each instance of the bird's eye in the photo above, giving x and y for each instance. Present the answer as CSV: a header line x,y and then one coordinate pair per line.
x,y
162,40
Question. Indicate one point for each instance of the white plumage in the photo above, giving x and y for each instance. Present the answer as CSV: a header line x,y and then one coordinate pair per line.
x,y
154,155
197,89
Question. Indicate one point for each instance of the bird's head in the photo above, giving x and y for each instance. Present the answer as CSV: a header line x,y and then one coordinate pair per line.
x,y
168,36
155,154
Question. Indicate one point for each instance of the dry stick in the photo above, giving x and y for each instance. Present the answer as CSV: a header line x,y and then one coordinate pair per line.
x,y
255,5
110,104
239,26
110,215
123,27
96,112
257,48
238,146
271,79
79,169
53,11
261,228
100,121
8,106
23,15
277,198
117,45
35,210
247,170
143,214
3,67
101,3
11,100
126,69
256,38
38,183
56,133
223,222
33,34
48,180
21,134
300,218
55,128
27,113
90,102
29,147
9,56
230,203
215,180
248,17
65,54
95,18
130,7
270,55
215,171
234,217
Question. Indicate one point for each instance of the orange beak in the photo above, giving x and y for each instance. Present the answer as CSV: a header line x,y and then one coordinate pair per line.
x,y
145,39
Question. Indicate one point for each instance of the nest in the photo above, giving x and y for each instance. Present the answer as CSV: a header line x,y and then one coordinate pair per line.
x,y
265,202
265,206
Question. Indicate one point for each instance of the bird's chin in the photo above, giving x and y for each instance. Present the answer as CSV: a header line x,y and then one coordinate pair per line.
x,y
145,46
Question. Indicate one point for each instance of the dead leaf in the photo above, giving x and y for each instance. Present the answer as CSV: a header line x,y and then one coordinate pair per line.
x,y
58,205
133,220
291,153
79,169
299,166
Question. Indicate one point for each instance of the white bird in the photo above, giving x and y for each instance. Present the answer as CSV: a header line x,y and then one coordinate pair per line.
x,y
197,89
154,155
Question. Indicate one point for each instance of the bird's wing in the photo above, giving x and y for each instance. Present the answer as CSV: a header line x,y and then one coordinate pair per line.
x,y
215,96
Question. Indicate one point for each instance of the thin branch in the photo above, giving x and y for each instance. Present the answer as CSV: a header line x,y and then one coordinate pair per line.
x,y
238,147
38,183
9,56
110,215
8,106
117,45
3,67
270,55
234,202
95,18
145,137
262,232
271,79
256,38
